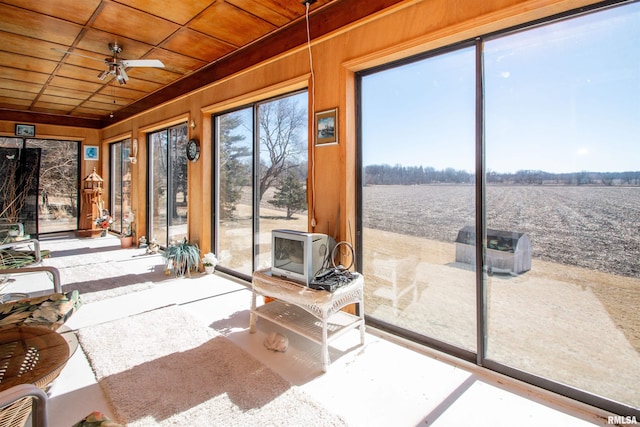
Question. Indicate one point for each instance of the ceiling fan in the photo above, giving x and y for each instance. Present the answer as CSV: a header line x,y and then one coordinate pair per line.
x,y
116,66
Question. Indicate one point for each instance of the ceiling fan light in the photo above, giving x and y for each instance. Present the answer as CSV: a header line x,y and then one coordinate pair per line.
x,y
103,75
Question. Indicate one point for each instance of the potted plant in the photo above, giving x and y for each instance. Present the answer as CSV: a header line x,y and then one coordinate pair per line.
x,y
209,261
104,222
182,257
126,240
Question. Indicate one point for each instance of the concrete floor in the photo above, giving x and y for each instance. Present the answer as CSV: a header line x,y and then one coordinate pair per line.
x,y
386,382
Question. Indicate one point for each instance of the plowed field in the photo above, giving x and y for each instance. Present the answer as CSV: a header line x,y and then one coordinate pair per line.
x,y
592,227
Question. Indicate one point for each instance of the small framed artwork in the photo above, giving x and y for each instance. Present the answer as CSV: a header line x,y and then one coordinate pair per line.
x,y
25,130
91,152
327,127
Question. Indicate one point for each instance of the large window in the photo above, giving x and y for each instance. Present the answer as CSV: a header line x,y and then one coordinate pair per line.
x,y
562,143
120,184
551,224
234,134
55,205
167,208
418,158
260,183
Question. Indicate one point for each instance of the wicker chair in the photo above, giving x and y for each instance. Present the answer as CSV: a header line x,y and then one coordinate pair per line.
x,y
16,404
21,253
52,271
50,308
31,313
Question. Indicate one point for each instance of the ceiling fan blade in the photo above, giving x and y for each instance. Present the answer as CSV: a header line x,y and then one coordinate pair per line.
x,y
77,54
142,63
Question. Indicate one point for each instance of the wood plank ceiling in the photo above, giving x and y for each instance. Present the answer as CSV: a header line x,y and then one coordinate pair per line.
x,y
198,41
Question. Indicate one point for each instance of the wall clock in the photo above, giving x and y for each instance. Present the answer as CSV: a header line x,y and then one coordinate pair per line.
x,y
193,150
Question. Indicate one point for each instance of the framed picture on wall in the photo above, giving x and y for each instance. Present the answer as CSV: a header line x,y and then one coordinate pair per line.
x,y
91,152
327,127
25,130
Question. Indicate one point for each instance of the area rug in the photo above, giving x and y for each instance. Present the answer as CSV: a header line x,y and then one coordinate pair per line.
x,y
100,274
164,368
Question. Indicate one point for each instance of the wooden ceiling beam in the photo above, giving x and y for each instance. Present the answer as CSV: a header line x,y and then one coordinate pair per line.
x,y
34,117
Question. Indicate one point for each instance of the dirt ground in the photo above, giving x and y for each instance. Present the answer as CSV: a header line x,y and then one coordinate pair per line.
x,y
571,324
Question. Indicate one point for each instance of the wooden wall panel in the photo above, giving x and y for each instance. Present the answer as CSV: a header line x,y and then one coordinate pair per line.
x,y
90,136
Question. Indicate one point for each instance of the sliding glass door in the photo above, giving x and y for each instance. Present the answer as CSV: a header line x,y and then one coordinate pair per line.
x,y
418,140
260,180
120,187
234,133
539,254
56,201
167,207
562,106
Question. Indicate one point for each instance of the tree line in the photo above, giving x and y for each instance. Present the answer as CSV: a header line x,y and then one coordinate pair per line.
x,y
417,175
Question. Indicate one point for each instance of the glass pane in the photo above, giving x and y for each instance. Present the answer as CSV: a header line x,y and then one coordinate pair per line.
x,y
158,186
179,180
418,151
58,192
121,186
19,201
282,186
116,178
125,189
234,136
563,155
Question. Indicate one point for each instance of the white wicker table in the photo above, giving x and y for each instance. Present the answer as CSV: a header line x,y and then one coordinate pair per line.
x,y
314,314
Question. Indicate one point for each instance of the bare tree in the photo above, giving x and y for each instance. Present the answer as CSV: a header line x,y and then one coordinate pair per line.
x,y
58,175
15,189
281,123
